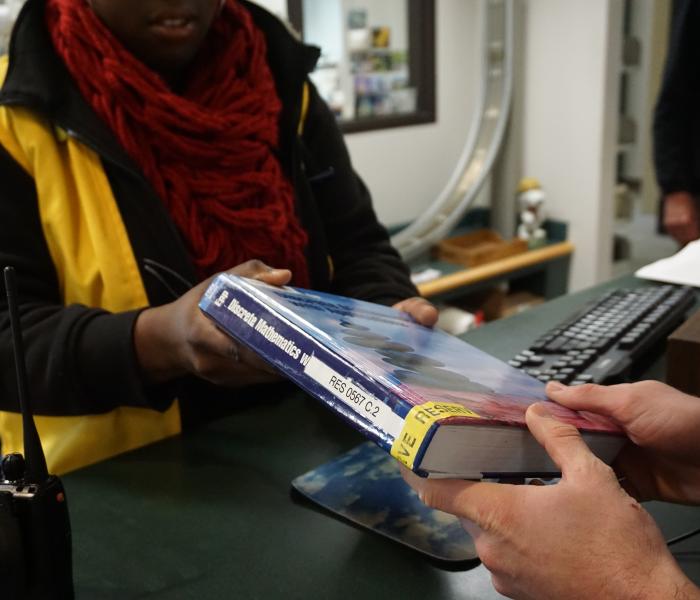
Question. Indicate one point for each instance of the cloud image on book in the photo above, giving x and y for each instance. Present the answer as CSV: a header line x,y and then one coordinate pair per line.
x,y
365,486
439,405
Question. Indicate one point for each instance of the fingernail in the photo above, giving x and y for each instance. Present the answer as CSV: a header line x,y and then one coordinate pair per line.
x,y
541,410
555,386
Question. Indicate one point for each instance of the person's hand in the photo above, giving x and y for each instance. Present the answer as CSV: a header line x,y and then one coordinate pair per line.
x,y
581,538
177,339
680,217
663,460
420,309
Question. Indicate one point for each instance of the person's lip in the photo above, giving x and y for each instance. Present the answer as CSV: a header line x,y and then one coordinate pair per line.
x,y
173,25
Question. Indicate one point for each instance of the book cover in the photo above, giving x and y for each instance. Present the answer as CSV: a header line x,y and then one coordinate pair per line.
x,y
409,388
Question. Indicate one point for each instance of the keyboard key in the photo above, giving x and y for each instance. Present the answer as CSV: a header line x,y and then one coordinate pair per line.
x,y
627,342
555,344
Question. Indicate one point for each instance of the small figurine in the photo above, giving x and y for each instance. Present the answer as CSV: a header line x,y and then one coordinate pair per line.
x,y
530,199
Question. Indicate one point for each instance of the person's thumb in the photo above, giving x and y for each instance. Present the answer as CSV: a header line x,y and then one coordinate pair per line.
x,y
562,441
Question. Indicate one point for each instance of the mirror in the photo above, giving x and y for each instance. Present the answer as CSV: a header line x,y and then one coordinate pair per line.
x,y
377,65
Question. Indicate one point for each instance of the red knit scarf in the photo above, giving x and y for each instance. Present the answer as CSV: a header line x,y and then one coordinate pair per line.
x,y
209,152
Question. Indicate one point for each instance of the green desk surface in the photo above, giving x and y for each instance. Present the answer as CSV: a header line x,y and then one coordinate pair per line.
x,y
209,514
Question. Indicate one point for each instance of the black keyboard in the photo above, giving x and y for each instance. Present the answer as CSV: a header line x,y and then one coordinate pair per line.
x,y
603,341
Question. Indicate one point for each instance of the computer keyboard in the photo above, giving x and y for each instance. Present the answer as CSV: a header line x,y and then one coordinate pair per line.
x,y
603,341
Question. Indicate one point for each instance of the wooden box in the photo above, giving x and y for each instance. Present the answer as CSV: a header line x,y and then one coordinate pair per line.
x,y
683,356
477,248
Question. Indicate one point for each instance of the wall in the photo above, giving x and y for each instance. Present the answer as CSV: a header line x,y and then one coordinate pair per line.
x,y
572,52
325,19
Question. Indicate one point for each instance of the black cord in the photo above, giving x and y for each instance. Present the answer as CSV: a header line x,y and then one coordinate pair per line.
x,y
149,269
153,263
683,536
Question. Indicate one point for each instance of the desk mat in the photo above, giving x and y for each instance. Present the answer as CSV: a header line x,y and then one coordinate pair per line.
x,y
365,487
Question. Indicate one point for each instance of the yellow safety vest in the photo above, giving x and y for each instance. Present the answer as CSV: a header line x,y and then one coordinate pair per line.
x,y
95,265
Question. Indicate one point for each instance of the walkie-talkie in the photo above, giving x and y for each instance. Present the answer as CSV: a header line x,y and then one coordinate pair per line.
x,y
35,535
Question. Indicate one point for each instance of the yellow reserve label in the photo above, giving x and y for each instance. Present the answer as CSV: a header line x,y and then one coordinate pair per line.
x,y
417,424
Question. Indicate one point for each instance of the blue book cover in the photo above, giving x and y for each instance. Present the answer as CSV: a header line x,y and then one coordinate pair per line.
x,y
437,404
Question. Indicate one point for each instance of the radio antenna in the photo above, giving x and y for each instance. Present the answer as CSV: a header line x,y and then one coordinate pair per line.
x,y
36,471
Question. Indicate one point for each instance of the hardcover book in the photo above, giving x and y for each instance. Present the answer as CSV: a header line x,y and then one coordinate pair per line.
x,y
437,404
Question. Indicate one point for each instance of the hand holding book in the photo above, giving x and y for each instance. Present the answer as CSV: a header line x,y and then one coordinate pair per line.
x,y
176,339
662,460
585,537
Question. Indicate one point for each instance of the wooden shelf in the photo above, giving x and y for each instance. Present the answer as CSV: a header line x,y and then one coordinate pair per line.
x,y
471,276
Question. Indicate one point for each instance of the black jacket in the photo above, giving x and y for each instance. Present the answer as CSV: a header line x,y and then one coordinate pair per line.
x,y
77,353
677,114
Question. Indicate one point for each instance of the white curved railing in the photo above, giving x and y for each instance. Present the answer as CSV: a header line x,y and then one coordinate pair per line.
x,y
483,141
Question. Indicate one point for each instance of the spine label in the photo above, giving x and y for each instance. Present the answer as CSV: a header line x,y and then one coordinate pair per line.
x,y
418,423
350,393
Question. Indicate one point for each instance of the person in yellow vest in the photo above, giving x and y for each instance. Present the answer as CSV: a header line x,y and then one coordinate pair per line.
x,y
146,145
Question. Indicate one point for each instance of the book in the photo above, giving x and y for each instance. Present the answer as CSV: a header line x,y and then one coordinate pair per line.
x,y
438,405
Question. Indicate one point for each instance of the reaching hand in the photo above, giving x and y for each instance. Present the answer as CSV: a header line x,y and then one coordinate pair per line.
x,y
581,538
420,309
663,462
680,216
177,339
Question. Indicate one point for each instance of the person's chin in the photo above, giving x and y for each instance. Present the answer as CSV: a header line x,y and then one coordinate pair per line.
x,y
173,65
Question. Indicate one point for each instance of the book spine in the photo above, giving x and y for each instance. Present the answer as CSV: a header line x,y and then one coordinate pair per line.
x,y
361,401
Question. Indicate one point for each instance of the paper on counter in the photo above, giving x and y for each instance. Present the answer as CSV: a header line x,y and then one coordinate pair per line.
x,y
682,268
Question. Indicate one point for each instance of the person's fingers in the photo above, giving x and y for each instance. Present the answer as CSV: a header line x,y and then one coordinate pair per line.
x,y
277,277
257,269
222,345
422,310
251,358
562,441
478,502
600,399
206,337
